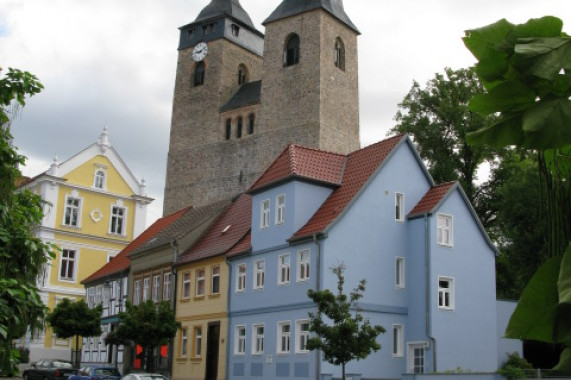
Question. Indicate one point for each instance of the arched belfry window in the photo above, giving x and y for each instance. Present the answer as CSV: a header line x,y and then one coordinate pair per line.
x,y
228,132
239,127
199,74
291,50
243,76
339,54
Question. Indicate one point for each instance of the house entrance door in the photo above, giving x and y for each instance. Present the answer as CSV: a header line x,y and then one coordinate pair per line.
x,y
212,346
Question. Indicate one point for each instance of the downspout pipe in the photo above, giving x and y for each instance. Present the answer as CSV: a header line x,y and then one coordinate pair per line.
x,y
174,246
317,288
428,290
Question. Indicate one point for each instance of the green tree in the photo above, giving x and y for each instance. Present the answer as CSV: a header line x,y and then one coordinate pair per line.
x,y
526,70
22,254
69,319
438,119
147,325
349,336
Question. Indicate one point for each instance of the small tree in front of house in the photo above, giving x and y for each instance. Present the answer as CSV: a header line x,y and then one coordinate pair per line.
x,y
344,335
147,325
69,319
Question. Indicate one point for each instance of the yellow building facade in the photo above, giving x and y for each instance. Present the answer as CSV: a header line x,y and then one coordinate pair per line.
x,y
200,345
95,208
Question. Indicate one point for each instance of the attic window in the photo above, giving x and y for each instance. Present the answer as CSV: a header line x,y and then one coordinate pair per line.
x,y
190,33
235,30
226,229
208,28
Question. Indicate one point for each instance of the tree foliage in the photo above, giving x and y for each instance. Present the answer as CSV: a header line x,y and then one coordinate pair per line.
x,y
348,336
69,319
526,70
147,325
22,254
438,118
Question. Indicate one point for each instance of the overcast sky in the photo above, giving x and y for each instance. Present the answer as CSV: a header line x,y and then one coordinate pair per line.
x,y
112,63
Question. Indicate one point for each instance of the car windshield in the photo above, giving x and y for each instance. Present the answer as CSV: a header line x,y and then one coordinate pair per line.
x,y
63,365
106,372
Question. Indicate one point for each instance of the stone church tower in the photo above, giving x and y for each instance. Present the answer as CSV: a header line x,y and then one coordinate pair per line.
x,y
240,97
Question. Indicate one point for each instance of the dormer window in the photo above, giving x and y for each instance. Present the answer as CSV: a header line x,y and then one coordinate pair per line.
x,y
291,51
199,74
235,30
339,54
99,179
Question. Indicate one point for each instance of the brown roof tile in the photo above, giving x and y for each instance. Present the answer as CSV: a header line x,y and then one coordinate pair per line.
x,y
122,262
225,233
301,162
431,199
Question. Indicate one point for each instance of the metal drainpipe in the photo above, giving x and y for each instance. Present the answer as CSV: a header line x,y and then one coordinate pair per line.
x,y
228,332
318,287
428,290
174,246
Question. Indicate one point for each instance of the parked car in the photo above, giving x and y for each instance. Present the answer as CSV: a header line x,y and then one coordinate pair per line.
x,y
145,376
49,369
96,372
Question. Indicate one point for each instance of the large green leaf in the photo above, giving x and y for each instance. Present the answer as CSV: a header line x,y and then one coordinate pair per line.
x,y
507,131
482,40
543,57
564,364
547,26
508,96
535,312
548,123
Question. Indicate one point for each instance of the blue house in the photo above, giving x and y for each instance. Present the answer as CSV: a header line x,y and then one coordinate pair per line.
x,y
428,263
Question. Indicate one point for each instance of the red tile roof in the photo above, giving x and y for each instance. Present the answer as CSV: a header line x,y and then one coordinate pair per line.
x,y
226,232
300,162
360,166
431,199
121,262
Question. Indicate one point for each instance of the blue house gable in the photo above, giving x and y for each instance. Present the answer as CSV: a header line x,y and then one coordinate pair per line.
x,y
428,263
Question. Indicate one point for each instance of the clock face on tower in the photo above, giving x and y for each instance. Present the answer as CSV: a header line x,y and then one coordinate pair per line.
x,y
200,52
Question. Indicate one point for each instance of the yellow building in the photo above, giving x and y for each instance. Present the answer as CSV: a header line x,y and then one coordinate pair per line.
x,y
96,207
202,295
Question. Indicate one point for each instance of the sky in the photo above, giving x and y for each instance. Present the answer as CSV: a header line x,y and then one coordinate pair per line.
x,y
112,63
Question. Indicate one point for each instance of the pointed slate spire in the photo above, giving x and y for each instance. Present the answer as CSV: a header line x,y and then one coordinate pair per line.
x,y
230,8
290,8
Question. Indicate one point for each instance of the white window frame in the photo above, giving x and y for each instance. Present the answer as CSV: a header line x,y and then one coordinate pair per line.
x,y
100,179
443,292
167,286
285,337
400,279
240,340
118,222
137,292
215,275
280,209
73,209
156,288
411,365
399,207
183,342
197,341
200,282
241,278
146,288
301,336
68,261
259,274
185,288
284,269
398,341
303,271
449,229
258,339
264,214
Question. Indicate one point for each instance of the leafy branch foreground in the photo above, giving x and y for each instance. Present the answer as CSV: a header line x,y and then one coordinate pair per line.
x,y
349,336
